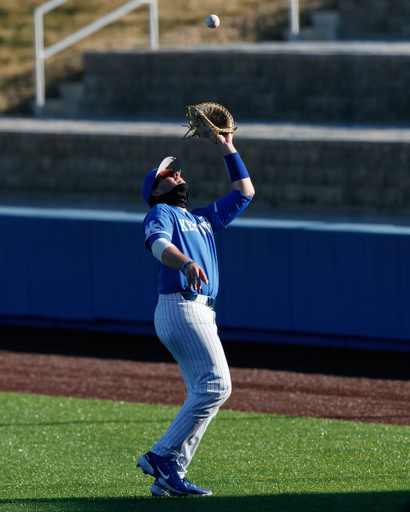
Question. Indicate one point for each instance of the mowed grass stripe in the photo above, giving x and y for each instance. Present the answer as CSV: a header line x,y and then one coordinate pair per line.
x,y
75,454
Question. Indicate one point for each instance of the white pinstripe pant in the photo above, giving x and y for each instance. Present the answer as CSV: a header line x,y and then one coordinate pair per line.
x,y
189,331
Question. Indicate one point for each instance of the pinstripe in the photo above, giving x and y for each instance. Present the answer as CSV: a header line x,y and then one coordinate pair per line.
x,y
189,332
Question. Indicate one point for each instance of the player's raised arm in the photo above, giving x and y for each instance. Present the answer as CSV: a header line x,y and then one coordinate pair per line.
x,y
237,171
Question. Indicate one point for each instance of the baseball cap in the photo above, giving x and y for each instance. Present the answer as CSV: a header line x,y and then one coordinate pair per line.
x,y
168,163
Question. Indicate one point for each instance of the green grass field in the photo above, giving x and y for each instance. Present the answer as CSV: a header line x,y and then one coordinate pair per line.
x,y
66,454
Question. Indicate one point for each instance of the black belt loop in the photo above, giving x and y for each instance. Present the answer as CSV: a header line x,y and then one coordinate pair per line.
x,y
210,301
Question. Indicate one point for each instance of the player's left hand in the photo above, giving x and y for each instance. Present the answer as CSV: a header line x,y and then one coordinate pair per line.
x,y
224,138
225,144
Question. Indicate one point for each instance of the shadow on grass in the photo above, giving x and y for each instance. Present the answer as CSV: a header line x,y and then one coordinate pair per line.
x,y
84,422
397,501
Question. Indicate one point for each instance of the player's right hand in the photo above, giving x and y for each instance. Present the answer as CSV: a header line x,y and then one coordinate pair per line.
x,y
195,276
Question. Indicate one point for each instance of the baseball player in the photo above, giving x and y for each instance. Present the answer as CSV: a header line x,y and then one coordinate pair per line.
x,y
183,243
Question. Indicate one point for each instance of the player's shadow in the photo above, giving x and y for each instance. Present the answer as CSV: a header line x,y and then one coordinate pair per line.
x,y
397,501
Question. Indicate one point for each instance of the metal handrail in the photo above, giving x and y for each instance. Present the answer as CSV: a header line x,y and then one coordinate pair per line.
x,y
293,19
41,53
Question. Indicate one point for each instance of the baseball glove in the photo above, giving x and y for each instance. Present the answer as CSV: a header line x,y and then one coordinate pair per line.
x,y
208,120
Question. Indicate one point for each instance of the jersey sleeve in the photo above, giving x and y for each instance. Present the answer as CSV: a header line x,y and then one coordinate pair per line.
x,y
221,213
158,224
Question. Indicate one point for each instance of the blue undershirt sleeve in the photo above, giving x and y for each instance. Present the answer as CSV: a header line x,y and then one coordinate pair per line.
x,y
225,210
231,205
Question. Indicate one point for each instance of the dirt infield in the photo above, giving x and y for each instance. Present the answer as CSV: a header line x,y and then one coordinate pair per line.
x,y
254,389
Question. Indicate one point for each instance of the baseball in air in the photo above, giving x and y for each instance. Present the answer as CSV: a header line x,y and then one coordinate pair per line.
x,y
213,21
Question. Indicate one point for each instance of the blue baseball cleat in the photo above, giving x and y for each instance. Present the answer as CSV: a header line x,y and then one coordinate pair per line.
x,y
194,490
158,489
165,471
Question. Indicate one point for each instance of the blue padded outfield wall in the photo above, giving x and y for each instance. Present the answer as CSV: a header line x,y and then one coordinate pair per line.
x,y
299,282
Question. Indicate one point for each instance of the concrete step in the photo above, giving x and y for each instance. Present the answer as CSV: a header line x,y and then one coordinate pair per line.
x,y
68,106
61,109
71,91
324,27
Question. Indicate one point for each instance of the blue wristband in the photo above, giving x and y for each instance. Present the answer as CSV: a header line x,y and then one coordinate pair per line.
x,y
235,167
187,263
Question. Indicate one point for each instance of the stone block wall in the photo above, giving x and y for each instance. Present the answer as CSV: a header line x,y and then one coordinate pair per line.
x,y
306,176
374,19
269,84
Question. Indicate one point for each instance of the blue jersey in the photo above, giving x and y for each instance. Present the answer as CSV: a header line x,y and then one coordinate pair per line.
x,y
193,234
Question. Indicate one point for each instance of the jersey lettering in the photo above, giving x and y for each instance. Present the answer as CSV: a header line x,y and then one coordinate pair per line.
x,y
183,227
187,225
205,226
192,226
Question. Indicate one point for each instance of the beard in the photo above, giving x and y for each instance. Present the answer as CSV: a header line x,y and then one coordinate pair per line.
x,y
178,196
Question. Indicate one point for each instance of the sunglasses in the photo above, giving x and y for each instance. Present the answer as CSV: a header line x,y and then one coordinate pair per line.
x,y
166,174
